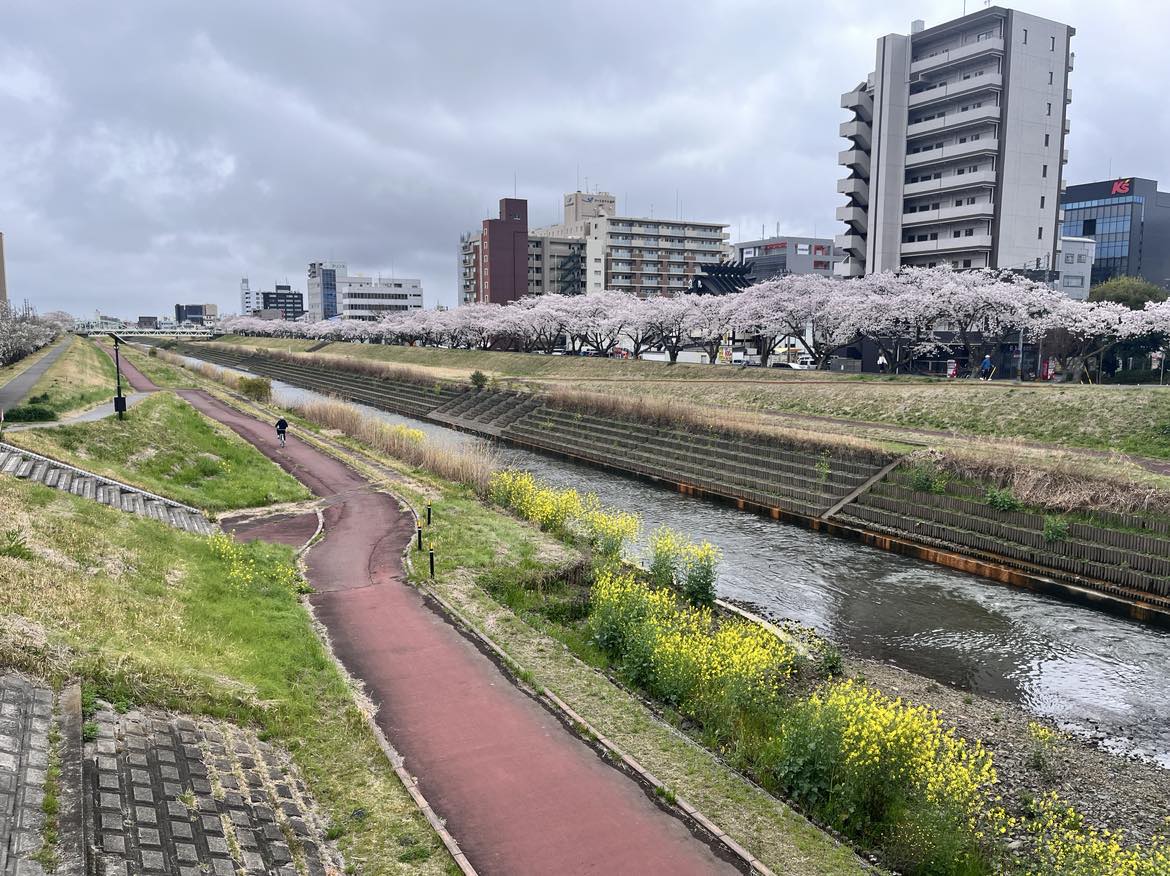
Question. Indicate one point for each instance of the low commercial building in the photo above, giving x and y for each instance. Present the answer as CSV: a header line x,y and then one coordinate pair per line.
x,y
148,322
772,256
196,314
1130,221
1076,266
334,294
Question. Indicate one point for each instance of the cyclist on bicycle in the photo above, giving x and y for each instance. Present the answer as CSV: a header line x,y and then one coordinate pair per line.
x,y
281,429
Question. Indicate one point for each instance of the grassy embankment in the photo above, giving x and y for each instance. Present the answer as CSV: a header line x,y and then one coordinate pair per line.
x,y
167,447
83,376
477,545
553,607
1132,420
146,614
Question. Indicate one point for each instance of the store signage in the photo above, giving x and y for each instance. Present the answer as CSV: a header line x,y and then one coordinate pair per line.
x,y
1121,186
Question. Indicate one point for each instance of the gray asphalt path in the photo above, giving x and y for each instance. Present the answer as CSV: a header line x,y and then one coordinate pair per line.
x,y
14,391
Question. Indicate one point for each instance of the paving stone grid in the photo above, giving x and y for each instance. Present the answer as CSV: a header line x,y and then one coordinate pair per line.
x,y
26,713
170,796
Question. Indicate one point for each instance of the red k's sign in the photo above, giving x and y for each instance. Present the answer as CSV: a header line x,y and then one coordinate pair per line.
x,y
1121,187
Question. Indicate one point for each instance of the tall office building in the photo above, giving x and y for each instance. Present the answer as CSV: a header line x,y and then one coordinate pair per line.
x,y
250,299
321,289
334,293
1130,221
957,146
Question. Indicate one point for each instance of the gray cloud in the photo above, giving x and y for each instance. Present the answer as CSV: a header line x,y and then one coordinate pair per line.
x,y
156,152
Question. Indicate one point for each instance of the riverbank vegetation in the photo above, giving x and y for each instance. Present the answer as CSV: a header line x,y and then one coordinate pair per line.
x,y
893,776
82,376
167,447
147,615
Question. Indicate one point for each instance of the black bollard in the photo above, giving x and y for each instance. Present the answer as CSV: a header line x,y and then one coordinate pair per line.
x,y
420,536
432,564
428,513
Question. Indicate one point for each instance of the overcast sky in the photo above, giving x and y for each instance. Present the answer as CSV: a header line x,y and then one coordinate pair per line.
x,y
154,152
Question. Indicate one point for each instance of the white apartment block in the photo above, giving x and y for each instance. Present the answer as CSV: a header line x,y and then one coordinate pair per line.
x,y
637,255
251,299
334,294
957,146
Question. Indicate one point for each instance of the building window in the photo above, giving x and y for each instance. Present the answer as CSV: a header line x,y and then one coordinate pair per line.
x,y
1050,77
1074,282
1080,258
802,249
955,234
1069,258
1049,109
1046,136
1040,233
1044,171
966,263
1025,36
1052,45
970,232
820,265
1041,202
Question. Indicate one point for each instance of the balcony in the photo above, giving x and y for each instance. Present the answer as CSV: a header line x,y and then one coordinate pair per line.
x,y
952,152
954,121
963,53
856,188
950,244
1067,124
1068,96
859,101
855,159
956,89
983,210
1072,57
950,182
1064,156
859,132
855,217
852,244
849,268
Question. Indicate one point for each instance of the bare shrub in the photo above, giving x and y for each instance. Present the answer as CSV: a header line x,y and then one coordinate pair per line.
x,y
470,464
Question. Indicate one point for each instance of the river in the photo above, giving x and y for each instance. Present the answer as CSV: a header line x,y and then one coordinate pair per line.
x,y
1092,673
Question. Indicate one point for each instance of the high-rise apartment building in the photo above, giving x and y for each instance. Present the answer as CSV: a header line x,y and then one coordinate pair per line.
x,y
642,256
1130,221
333,293
957,146
290,304
551,264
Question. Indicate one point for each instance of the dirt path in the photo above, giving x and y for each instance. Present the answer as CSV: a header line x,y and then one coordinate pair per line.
x,y
519,792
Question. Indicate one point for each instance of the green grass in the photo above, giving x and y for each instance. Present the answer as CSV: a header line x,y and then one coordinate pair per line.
x,y
145,614
167,447
163,374
83,376
480,549
8,372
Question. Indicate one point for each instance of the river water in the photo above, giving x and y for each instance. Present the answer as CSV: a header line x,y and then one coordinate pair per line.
x,y
1094,674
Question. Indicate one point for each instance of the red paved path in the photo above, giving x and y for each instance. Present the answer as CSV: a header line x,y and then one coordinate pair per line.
x,y
519,793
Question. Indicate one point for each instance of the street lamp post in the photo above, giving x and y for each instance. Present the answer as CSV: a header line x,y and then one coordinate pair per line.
x,y
119,399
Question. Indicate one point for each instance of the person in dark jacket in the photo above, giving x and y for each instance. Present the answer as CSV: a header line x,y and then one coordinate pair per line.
x,y
281,429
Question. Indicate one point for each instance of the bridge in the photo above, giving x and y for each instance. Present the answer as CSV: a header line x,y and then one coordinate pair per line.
x,y
135,332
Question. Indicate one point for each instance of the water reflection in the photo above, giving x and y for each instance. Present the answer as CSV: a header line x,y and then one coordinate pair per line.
x,y
1090,671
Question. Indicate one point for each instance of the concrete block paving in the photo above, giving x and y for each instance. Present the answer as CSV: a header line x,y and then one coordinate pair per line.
x,y
172,796
26,715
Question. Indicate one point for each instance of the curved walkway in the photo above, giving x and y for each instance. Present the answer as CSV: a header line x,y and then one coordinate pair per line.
x,y
15,390
519,793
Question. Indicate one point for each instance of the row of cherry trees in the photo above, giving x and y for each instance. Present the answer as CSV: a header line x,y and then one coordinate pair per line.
x,y
21,335
913,313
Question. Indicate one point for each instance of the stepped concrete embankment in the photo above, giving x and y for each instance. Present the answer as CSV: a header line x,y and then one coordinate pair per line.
x,y
1118,563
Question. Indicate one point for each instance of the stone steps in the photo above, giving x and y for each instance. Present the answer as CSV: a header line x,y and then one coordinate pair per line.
x,y
58,475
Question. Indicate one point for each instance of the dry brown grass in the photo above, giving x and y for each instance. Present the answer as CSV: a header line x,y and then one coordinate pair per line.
x,y
470,464
1061,482
668,413
366,367
230,379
